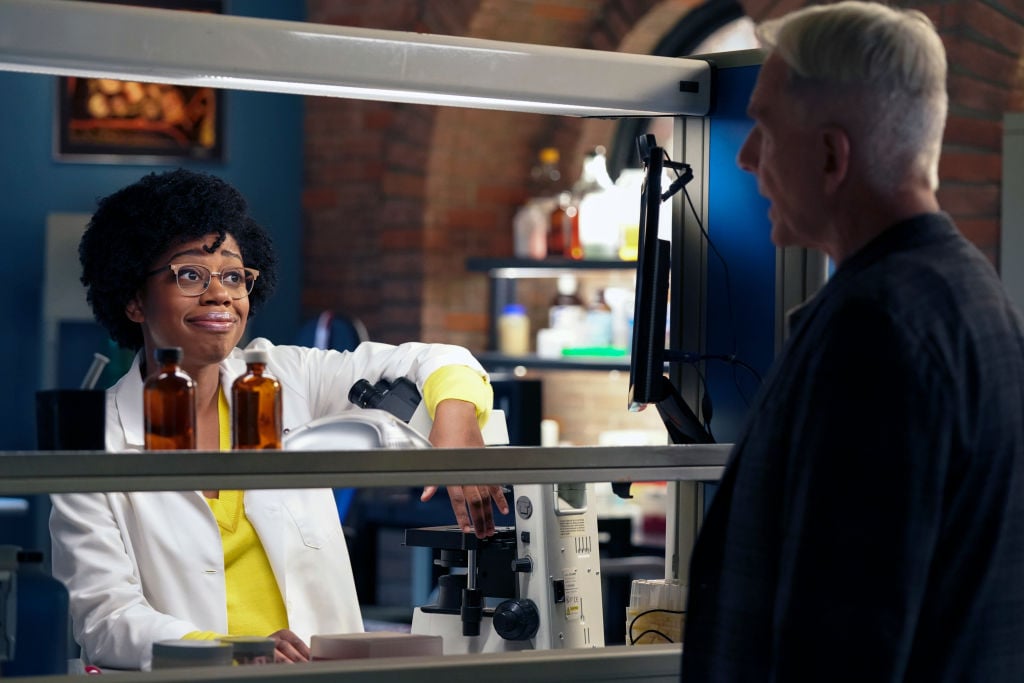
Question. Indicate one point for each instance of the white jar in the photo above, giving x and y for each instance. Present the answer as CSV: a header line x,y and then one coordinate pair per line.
x,y
514,331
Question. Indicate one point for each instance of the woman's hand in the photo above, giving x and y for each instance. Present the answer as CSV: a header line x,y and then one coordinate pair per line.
x,y
289,647
455,426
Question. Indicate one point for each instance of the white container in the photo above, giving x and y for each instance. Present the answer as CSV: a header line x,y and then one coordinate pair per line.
x,y
567,313
600,231
551,342
514,331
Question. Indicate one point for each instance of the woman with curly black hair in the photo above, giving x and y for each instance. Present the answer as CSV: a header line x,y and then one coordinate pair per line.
x,y
175,260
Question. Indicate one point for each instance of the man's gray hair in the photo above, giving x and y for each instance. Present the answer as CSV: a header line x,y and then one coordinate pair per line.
x,y
882,70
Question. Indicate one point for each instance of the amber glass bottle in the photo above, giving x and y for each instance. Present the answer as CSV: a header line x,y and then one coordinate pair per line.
x,y
564,230
256,399
169,404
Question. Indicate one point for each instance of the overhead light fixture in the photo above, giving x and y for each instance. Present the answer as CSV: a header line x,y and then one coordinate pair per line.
x,y
73,38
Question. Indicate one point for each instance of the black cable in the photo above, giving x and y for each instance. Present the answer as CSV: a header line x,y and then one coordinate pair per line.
x,y
695,358
736,383
706,407
732,358
632,640
655,632
725,266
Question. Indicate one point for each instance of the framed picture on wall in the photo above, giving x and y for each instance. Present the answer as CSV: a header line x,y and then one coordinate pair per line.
x,y
104,120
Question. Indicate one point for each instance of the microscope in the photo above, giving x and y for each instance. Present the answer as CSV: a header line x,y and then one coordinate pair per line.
x,y
544,575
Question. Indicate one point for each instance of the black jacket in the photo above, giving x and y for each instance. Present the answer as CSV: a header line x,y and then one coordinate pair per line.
x,y
870,523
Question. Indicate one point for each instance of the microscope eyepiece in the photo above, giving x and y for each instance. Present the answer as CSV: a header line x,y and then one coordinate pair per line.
x,y
365,395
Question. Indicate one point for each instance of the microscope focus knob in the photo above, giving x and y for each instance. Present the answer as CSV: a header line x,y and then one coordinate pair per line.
x,y
516,619
522,564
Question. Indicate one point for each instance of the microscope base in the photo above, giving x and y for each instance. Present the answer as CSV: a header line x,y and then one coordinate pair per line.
x,y
449,627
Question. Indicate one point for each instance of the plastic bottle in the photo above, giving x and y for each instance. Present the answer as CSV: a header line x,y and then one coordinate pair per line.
x,y
169,404
530,226
567,312
597,208
564,230
256,405
628,187
514,331
41,635
599,321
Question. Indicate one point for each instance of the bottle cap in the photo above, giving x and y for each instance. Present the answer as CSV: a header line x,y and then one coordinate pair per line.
x,y
567,285
170,354
513,309
256,356
549,155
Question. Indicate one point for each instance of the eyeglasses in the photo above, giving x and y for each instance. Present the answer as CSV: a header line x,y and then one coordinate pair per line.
x,y
194,279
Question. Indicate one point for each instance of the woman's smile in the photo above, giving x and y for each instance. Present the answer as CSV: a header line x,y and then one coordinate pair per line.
x,y
214,321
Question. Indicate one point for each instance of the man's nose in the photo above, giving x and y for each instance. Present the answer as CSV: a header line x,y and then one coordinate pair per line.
x,y
747,158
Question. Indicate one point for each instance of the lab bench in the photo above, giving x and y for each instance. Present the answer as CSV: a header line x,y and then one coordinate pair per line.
x,y
24,473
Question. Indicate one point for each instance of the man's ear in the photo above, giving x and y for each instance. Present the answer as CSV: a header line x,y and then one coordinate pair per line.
x,y
133,309
836,164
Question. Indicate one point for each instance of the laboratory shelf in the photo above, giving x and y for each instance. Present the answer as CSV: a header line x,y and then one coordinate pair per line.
x,y
552,267
502,275
493,360
31,472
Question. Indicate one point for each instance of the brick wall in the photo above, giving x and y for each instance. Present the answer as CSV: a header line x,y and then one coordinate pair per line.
x,y
398,196
983,44
428,186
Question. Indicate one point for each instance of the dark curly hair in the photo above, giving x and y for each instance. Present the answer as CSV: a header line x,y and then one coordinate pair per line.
x,y
138,223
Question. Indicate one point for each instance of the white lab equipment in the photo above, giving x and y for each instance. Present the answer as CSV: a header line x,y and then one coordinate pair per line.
x,y
546,570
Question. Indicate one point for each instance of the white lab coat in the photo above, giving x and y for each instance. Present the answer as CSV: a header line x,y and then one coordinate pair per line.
x,y
149,566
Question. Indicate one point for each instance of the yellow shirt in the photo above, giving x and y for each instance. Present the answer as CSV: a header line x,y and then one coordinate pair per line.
x,y
463,383
255,606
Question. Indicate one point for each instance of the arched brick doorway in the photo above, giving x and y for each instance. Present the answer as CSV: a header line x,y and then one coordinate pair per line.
x,y
398,195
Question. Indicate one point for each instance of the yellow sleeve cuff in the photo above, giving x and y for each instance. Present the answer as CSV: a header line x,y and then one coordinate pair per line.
x,y
203,635
459,382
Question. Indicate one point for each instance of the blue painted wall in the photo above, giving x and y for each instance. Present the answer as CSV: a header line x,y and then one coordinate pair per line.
x,y
263,159
739,226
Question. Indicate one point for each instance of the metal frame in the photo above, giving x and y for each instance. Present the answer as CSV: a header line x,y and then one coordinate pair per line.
x,y
80,471
87,39
67,38
639,664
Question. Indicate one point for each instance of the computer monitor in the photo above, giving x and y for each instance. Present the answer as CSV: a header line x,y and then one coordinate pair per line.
x,y
647,381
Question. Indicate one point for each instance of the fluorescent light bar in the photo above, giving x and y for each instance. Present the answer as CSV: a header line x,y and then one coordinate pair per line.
x,y
72,38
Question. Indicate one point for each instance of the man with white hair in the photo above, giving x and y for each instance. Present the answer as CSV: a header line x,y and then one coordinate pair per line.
x,y
870,523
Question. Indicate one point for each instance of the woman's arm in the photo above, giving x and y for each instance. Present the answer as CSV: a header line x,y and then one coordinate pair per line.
x,y
455,426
